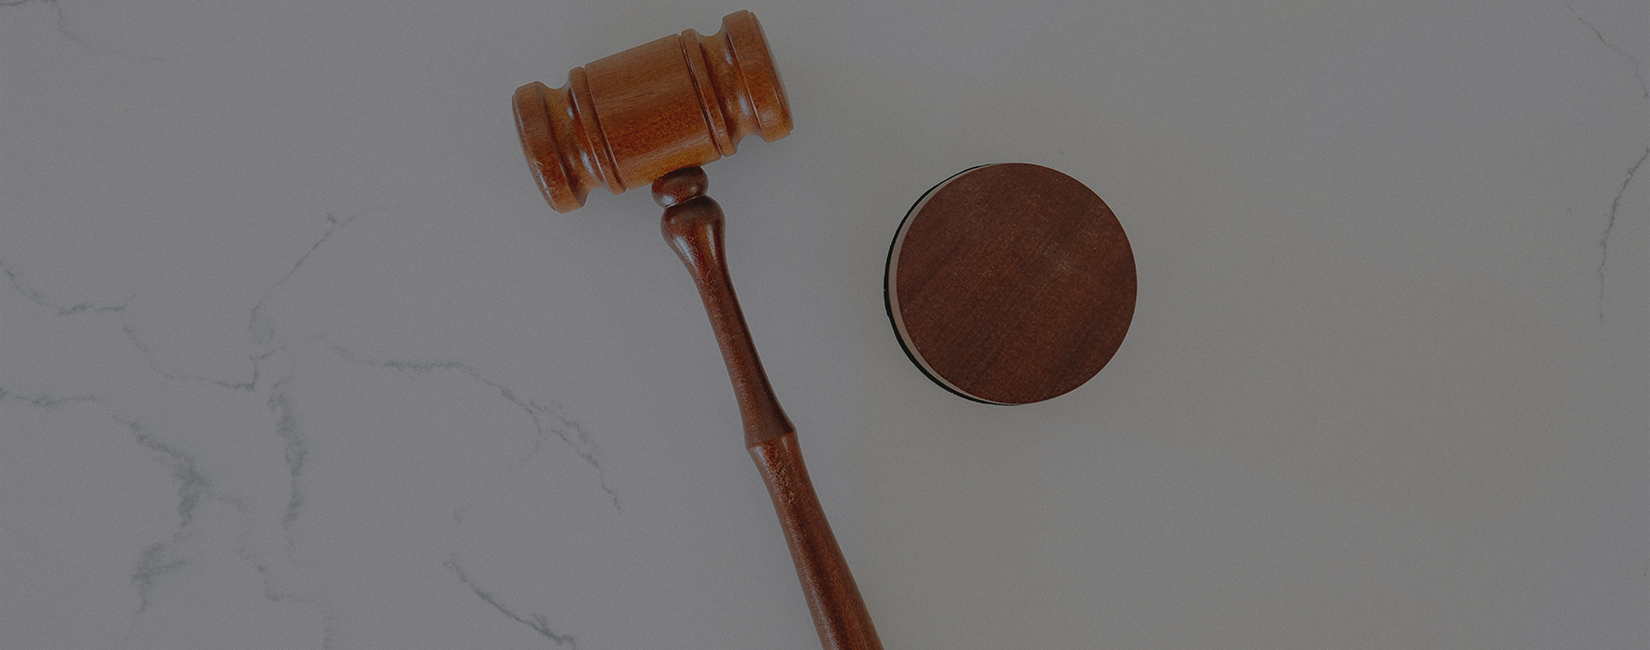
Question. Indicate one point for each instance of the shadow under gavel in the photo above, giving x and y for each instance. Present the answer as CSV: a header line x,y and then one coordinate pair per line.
x,y
652,115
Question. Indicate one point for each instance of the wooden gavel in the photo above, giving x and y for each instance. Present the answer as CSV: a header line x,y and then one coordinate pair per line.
x,y
652,115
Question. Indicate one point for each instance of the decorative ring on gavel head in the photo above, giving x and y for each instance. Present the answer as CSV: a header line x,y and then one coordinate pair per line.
x,y
625,120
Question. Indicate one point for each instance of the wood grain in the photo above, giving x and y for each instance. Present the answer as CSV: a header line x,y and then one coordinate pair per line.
x,y
1011,284
693,224
653,114
680,101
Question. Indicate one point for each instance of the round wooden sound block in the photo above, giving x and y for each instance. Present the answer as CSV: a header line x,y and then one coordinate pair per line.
x,y
1010,284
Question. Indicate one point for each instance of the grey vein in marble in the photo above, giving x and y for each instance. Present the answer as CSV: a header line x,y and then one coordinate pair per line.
x,y
136,337
62,23
192,487
263,331
48,402
156,562
1644,88
539,622
265,574
1615,204
570,431
259,324
286,426
1610,224
34,296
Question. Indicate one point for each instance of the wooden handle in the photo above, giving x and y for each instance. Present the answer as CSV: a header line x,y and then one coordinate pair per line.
x,y
693,225
839,613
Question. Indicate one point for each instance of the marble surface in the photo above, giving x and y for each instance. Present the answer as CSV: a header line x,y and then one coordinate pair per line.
x,y
292,355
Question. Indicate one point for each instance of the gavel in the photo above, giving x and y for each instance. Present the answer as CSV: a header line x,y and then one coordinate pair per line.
x,y
652,115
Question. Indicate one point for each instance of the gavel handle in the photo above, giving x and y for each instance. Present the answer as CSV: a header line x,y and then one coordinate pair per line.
x,y
692,225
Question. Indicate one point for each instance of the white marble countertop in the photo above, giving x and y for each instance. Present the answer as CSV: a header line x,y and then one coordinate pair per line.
x,y
293,355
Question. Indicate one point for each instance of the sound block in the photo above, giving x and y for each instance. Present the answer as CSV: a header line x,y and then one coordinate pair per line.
x,y
1010,284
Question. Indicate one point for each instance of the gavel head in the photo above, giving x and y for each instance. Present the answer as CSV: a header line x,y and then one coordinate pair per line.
x,y
623,121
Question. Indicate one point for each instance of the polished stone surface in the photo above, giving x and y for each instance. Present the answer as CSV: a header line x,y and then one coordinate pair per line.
x,y
293,355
